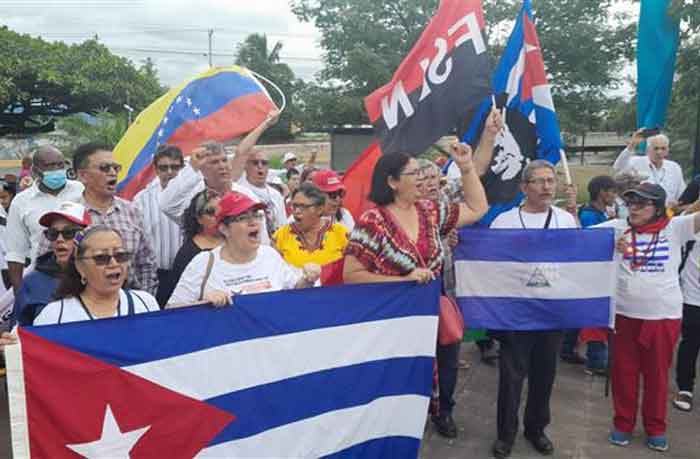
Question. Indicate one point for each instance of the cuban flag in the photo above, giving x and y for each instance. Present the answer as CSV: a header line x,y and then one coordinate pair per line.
x,y
531,126
342,371
536,279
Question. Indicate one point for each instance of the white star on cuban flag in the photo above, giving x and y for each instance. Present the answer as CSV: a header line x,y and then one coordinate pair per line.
x,y
113,443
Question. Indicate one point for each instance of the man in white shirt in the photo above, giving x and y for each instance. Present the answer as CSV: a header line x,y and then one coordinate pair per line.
x,y
165,234
654,167
531,354
210,169
24,234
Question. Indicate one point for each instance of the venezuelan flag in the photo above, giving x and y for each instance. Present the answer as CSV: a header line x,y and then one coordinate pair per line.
x,y
220,104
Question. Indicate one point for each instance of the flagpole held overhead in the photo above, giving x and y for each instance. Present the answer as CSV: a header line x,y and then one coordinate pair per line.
x,y
277,88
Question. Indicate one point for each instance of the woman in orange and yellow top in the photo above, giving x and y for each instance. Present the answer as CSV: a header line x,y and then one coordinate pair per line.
x,y
310,238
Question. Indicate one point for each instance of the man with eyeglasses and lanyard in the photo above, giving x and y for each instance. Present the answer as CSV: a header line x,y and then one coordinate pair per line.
x,y
97,170
24,234
654,166
164,233
531,354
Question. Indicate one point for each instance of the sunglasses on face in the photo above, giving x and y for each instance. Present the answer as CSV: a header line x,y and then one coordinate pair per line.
x,y
103,259
169,167
68,233
107,167
243,218
337,194
258,162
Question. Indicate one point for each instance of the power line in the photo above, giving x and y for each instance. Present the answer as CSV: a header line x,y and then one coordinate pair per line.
x,y
192,52
73,4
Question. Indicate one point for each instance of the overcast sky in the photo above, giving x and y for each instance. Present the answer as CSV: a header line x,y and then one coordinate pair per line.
x,y
171,32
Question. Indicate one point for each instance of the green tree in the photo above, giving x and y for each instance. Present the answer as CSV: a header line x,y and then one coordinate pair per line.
x,y
41,80
105,128
254,53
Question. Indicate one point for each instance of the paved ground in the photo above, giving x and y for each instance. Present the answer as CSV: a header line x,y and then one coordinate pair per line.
x,y
581,419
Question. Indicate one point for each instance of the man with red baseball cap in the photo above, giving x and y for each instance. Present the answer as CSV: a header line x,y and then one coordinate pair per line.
x,y
330,183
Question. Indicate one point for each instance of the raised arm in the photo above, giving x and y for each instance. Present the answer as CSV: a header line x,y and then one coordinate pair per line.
x,y
622,163
475,204
175,198
484,151
246,146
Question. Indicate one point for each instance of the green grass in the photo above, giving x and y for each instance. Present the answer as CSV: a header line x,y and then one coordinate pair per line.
x,y
581,175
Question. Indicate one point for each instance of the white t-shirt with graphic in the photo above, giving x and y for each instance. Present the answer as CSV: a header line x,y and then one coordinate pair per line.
x,y
71,310
268,272
649,288
690,277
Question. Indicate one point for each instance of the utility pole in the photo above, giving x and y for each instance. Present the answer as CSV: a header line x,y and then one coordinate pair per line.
x,y
211,34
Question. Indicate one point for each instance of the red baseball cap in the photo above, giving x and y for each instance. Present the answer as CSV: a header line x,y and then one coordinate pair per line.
x,y
234,204
71,211
327,181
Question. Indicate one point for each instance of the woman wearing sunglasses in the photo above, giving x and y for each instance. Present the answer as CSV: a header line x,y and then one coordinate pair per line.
x,y
241,265
649,308
201,234
329,182
39,286
310,238
91,287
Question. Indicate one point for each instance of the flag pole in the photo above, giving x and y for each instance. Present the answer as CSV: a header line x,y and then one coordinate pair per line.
x,y
565,165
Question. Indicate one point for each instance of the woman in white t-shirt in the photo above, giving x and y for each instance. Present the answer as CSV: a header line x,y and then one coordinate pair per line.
x,y
242,265
649,307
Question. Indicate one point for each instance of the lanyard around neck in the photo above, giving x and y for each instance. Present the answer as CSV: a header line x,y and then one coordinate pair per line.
x,y
546,223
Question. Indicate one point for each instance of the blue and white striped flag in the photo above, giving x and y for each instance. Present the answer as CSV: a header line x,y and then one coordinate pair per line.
x,y
341,371
524,279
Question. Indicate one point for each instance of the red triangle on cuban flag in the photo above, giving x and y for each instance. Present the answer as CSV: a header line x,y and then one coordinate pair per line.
x,y
89,408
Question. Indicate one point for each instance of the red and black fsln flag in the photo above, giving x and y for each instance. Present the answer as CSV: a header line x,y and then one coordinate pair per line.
x,y
444,78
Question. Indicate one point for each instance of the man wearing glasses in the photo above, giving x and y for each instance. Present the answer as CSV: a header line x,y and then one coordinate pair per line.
x,y
163,232
531,354
24,234
97,170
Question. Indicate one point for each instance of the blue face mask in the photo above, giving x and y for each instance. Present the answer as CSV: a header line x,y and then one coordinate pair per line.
x,y
54,180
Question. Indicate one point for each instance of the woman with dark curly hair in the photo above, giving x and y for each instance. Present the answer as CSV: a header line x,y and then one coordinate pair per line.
x,y
200,231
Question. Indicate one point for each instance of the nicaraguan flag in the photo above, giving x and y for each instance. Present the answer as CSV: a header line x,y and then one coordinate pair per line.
x,y
531,128
535,279
342,371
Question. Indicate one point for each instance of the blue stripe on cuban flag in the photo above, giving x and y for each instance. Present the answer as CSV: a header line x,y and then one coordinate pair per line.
x,y
342,371
535,279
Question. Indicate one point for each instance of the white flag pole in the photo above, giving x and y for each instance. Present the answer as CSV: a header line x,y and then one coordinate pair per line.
x,y
565,165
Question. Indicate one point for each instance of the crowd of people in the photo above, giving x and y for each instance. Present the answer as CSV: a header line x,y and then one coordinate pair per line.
x,y
214,227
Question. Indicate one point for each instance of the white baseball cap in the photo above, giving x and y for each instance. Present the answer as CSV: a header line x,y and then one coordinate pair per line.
x,y
71,211
288,157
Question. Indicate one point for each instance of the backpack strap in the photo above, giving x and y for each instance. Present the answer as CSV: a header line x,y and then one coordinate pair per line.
x,y
60,314
210,265
130,302
141,300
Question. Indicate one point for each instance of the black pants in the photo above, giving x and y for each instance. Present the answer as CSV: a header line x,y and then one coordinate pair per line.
x,y
448,367
532,355
688,349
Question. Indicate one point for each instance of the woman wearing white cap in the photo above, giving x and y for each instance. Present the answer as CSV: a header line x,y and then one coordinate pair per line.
x,y
39,286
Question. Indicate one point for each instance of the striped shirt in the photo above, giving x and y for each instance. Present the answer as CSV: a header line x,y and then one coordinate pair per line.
x,y
126,218
164,233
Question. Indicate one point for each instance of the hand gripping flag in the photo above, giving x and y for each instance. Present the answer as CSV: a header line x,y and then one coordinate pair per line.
x,y
535,279
531,125
220,104
306,373
445,76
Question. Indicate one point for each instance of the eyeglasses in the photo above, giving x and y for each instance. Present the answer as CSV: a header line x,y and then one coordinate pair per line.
x,y
106,167
259,162
638,203
103,259
336,194
302,207
543,181
169,167
211,211
68,233
243,218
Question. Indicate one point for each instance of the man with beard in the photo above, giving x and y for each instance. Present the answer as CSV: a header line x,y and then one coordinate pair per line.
x,y
97,170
